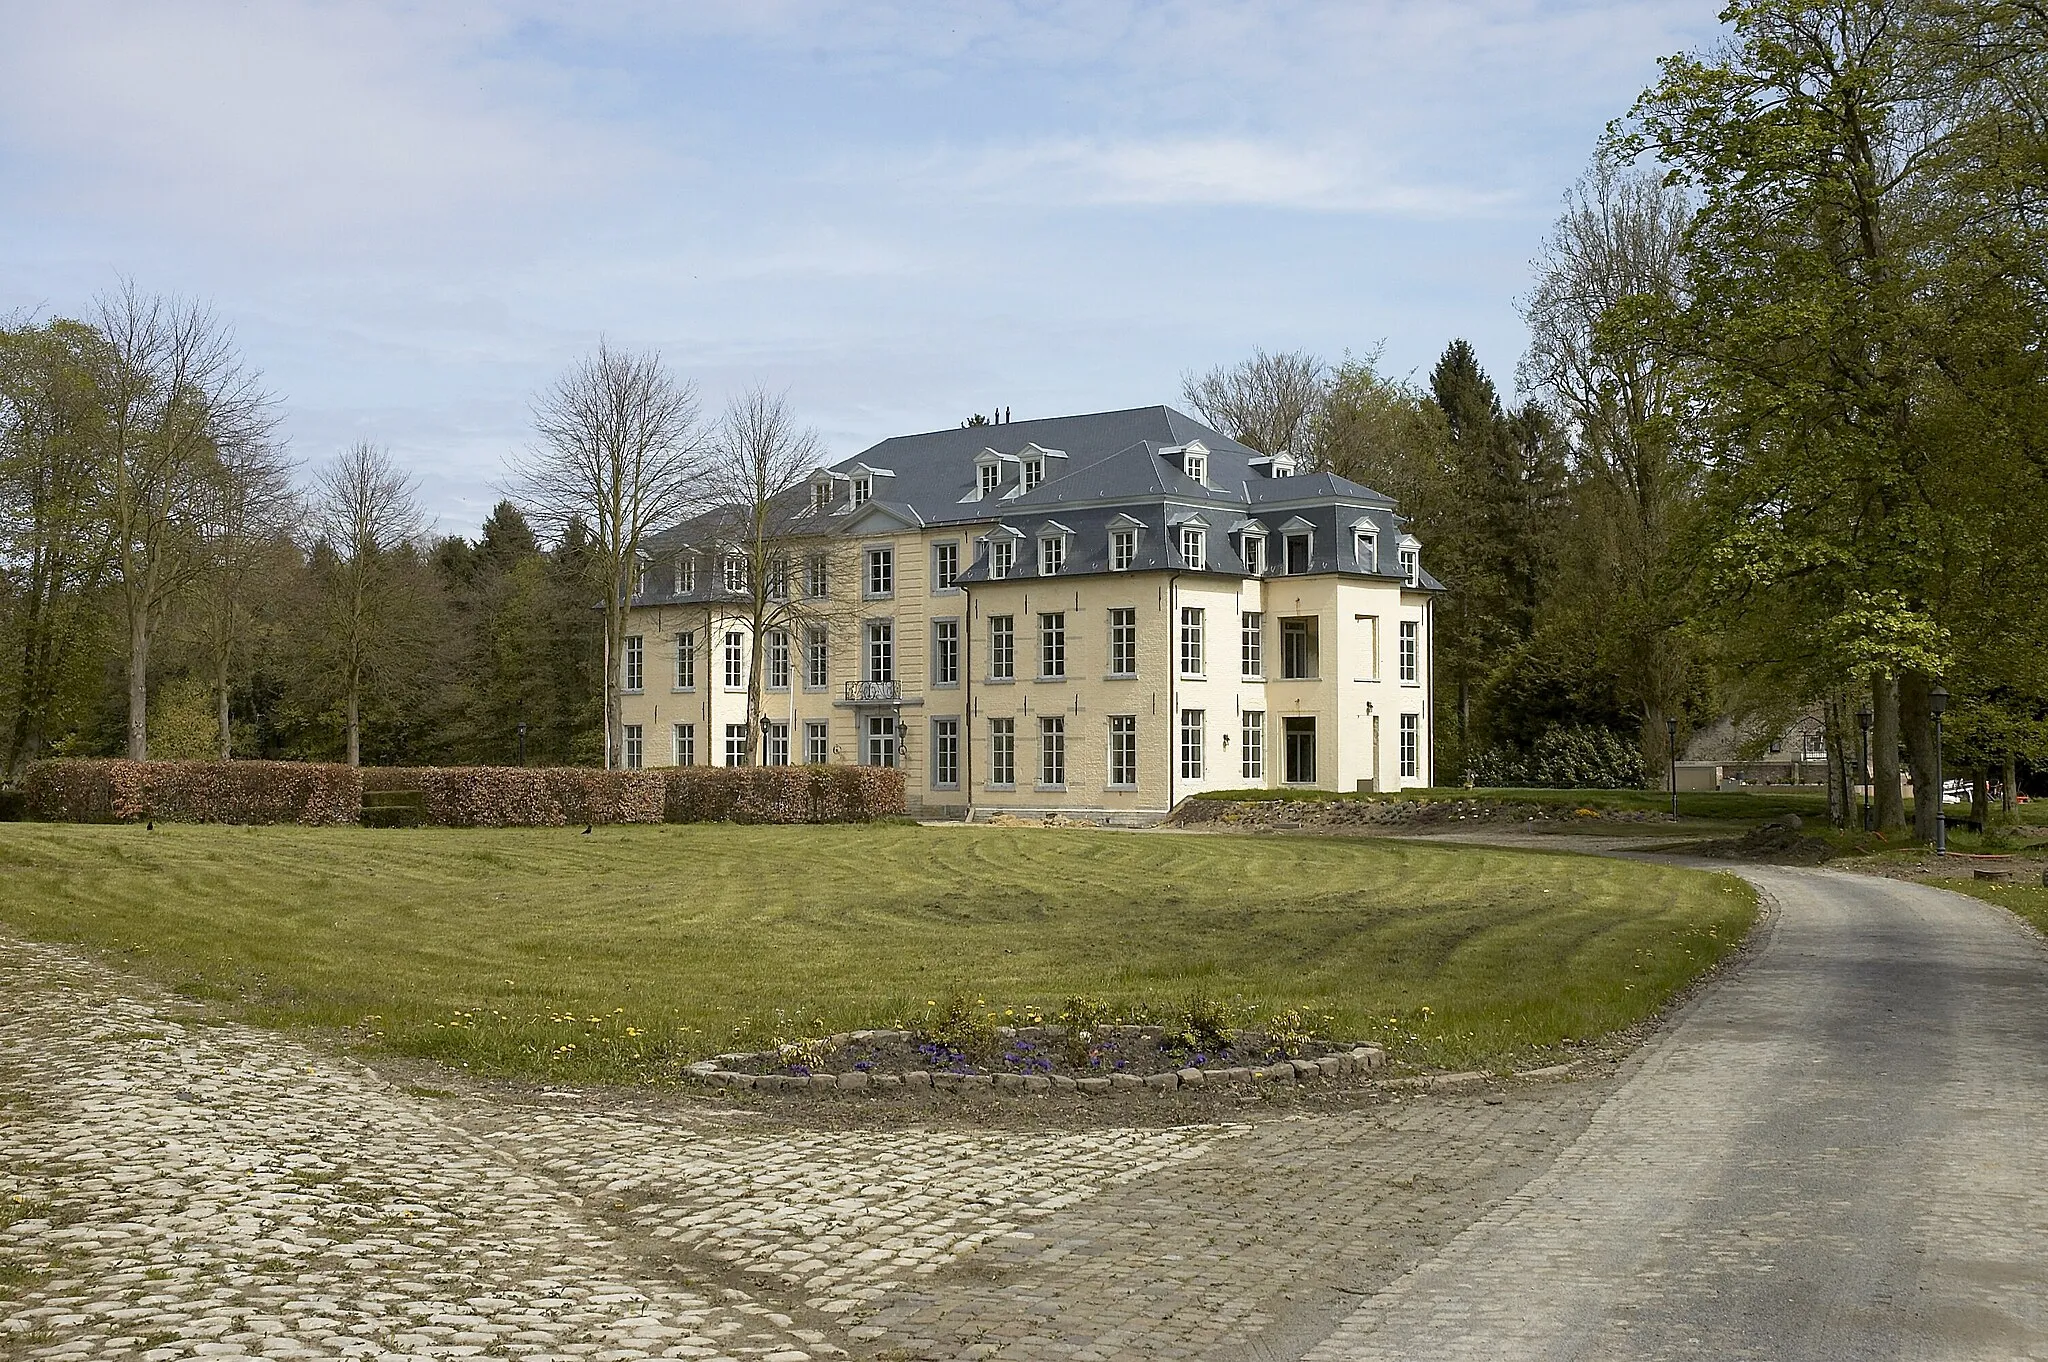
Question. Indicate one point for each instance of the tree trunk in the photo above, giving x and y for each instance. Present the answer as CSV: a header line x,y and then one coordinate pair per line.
x,y
1916,726
220,685
2012,783
1889,806
138,685
355,721
1980,796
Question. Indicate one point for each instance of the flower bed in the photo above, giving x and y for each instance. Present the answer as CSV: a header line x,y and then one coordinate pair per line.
x,y
1035,1059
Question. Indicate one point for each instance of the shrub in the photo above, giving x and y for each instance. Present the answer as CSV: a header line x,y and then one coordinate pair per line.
x,y
512,796
782,794
76,791
1566,757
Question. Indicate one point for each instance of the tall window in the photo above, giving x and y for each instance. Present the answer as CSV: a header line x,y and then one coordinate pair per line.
x,y
1366,545
1253,740
881,573
1299,735
636,663
1411,567
1052,644
1052,554
945,652
735,660
863,488
686,574
1197,467
817,742
1002,557
636,747
735,744
821,495
1123,549
1298,648
735,572
778,660
945,565
778,580
881,652
1002,751
686,661
814,577
1123,642
1052,750
1002,647
946,754
1192,544
1034,473
1410,641
1123,750
1252,644
817,673
776,750
1411,745
1191,623
1255,554
1298,553
686,744
991,479
881,740
1191,723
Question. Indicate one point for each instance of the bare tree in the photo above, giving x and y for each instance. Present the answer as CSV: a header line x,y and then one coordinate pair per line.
x,y
363,511
176,396
620,449
1267,401
244,510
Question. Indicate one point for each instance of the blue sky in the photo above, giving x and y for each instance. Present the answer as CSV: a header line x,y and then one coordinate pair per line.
x,y
415,215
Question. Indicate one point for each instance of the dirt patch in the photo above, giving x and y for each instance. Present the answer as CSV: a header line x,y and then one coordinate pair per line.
x,y
1781,843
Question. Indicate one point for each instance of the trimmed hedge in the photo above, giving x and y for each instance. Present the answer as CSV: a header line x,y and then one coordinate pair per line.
x,y
79,791
511,796
783,794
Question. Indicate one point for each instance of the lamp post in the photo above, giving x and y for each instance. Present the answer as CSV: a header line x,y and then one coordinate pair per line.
x,y
1937,705
1863,763
1671,748
766,724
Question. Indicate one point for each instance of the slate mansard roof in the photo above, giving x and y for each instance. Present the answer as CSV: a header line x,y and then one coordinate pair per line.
x,y
1101,471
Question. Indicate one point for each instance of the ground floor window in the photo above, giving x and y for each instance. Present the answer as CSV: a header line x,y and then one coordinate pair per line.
x,y
881,740
1123,750
1411,743
777,753
1254,751
1002,752
946,754
686,744
636,747
1191,726
735,744
817,743
1301,751
1052,752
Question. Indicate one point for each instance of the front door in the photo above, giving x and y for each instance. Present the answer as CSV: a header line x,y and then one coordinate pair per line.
x,y
1301,751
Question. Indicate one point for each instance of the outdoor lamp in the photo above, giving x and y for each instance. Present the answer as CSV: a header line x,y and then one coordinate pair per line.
x,y
1863,766
1671,745
1937,700
1937,705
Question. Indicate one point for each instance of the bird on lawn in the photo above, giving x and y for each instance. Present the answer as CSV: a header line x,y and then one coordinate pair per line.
x,y
151,827
586,829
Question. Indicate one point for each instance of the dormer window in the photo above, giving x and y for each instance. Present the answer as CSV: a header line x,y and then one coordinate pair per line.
x,y
1283,466
1002,557
1365,544
1297,548
1411,566
686,574
735,572
640,577
1196,465
821,495
1052,554
1255,554
863,487
1034,472
991,479
1193,543
1123,549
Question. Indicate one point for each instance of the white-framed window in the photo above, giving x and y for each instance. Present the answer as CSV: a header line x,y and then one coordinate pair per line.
x,y
945,652
1052,554
1002,557
881,652
775,750
735,660
1411,745
817,742
735,569
1299,549
1300,648
945,754
1052,644
1034,473
1192,722
735,744
991,479
684,736
1371,627
881,574
1002,752
945,565
1193,546
1002,647
815,579
778,660
686,574
1192,623
863,488
1411,567
636,747
1255,554
640,577
821,495
636,663
881,740
1123,751
817,659
1366,546
1298,737
778,578
1123,641
1253,740
1196,465
1052,752
1252,644
1123,549
1409,645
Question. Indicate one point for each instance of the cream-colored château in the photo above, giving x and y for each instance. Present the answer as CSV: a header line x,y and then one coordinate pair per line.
x,y
1099,615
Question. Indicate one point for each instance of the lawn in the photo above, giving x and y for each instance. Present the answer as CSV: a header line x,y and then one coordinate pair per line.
x,y
620,955
2029,901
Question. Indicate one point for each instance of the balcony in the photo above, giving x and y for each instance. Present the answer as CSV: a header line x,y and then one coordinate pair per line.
x,y
875,694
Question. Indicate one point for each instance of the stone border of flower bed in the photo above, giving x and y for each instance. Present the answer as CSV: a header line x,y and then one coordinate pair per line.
x,y
1358,1059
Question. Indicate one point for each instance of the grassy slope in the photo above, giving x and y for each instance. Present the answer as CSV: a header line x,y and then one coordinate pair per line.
x,y
619,955
2028,901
